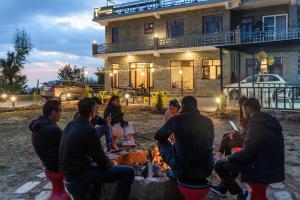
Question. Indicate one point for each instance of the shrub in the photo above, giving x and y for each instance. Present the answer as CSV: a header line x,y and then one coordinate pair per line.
x,y
159,103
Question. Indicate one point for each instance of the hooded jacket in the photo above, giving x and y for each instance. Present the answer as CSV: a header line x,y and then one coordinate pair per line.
x,y
193,149
46,137
263,151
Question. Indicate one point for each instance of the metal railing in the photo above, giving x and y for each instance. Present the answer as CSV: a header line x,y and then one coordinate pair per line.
x,y
147,5
273,96
125,46
197,40
270,36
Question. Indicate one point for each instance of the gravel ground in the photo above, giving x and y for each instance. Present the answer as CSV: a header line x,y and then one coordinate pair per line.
x,y
19,164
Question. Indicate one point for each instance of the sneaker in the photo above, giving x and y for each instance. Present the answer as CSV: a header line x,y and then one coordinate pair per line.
x,y
220,190
244,196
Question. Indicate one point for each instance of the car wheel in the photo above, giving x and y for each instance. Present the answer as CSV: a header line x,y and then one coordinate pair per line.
x,y
234,95
63,97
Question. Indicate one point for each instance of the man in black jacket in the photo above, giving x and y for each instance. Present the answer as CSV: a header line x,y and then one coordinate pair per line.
x,y
46,135
191,157
262,157
80,147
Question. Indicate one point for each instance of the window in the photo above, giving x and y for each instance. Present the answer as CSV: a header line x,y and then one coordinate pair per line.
x,y
250,63
211,69
277,67
148,28
182,74
299,67
276,26
115,76
212,24
115,35
175,28
141,75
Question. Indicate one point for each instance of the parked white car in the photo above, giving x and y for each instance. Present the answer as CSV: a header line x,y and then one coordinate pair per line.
x,y
267,85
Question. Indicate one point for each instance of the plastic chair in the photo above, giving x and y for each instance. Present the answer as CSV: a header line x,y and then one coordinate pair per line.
x,y
193,192
58,191
259,191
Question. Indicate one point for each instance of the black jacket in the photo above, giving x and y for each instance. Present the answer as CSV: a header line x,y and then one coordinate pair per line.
x,y
263,152
194,136
46,137
80,146
116,115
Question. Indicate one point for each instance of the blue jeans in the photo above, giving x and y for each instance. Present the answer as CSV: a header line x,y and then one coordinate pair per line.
x,y
122,174
108,132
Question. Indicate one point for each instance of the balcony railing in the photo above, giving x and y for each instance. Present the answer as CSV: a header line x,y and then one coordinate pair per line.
x,y
128,46
197,40
270,36
145,6
201,40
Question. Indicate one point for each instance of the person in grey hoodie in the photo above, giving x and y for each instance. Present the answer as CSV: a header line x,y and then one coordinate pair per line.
x,y
46,135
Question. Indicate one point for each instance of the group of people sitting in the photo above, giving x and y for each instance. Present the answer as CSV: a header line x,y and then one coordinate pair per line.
x,y
185,142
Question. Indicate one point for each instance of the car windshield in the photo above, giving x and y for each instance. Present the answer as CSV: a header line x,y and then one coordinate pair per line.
x,y
53,83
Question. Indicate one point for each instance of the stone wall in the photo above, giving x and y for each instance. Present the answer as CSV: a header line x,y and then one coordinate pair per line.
x,y
132,30
162,79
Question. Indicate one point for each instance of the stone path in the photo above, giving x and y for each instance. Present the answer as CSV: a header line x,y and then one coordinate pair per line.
x,y
39,188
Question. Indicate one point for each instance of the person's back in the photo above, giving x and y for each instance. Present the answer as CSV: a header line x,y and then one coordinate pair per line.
x,y
266,165
46,135
79,142
194,135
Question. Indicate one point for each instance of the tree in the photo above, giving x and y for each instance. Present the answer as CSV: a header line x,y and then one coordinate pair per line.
x,y
11,79
101,75
159,103
70,73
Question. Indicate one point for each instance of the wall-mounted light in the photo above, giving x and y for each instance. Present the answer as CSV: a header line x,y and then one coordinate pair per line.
x,y
94,42
110,74
152,70
4,96
180,71
13,100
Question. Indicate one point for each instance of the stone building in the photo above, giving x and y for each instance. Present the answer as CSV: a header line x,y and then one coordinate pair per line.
x,y
198,46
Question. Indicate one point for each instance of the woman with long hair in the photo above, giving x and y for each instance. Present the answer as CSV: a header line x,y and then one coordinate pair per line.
x,y
174,109
234,139
121,128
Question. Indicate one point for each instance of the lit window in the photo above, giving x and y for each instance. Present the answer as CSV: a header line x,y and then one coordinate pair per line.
x,y
148,28
141,75
211,69
182,74
115,76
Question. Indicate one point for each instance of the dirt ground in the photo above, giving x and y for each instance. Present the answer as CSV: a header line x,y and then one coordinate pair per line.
x,y
19,163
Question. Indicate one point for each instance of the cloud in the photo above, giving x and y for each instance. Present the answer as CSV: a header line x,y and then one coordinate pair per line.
x,y
78,21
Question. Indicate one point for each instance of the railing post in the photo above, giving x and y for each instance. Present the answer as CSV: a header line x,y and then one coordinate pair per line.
x,y
94,48
237,35
156,43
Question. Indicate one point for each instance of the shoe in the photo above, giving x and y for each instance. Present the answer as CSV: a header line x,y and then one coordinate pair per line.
x,y
244,196
219,190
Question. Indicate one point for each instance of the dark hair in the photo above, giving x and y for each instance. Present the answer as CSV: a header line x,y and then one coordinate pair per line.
x,y
242,121
189,103
253,104
49,106
97,100
85,107
174,103
112,98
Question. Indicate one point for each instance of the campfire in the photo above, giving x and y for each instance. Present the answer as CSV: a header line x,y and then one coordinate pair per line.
x,y
147,164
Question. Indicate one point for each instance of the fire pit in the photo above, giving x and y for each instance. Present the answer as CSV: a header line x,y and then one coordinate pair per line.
x,y
150,182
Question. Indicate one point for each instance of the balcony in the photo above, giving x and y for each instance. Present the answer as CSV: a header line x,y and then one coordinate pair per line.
x,y
158,44
146,6
197,41
270,36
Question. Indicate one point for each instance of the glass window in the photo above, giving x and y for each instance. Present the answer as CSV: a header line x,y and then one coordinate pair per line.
x,y
182,74
115,35
299,66
141,75
211,69
115,76
148,28
175,28
277,67
212,24
275,23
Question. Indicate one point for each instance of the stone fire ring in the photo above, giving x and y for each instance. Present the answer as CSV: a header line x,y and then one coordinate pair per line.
x,y
144,189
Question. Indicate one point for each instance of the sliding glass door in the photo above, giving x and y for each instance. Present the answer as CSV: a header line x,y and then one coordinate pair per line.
x,y
276,26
